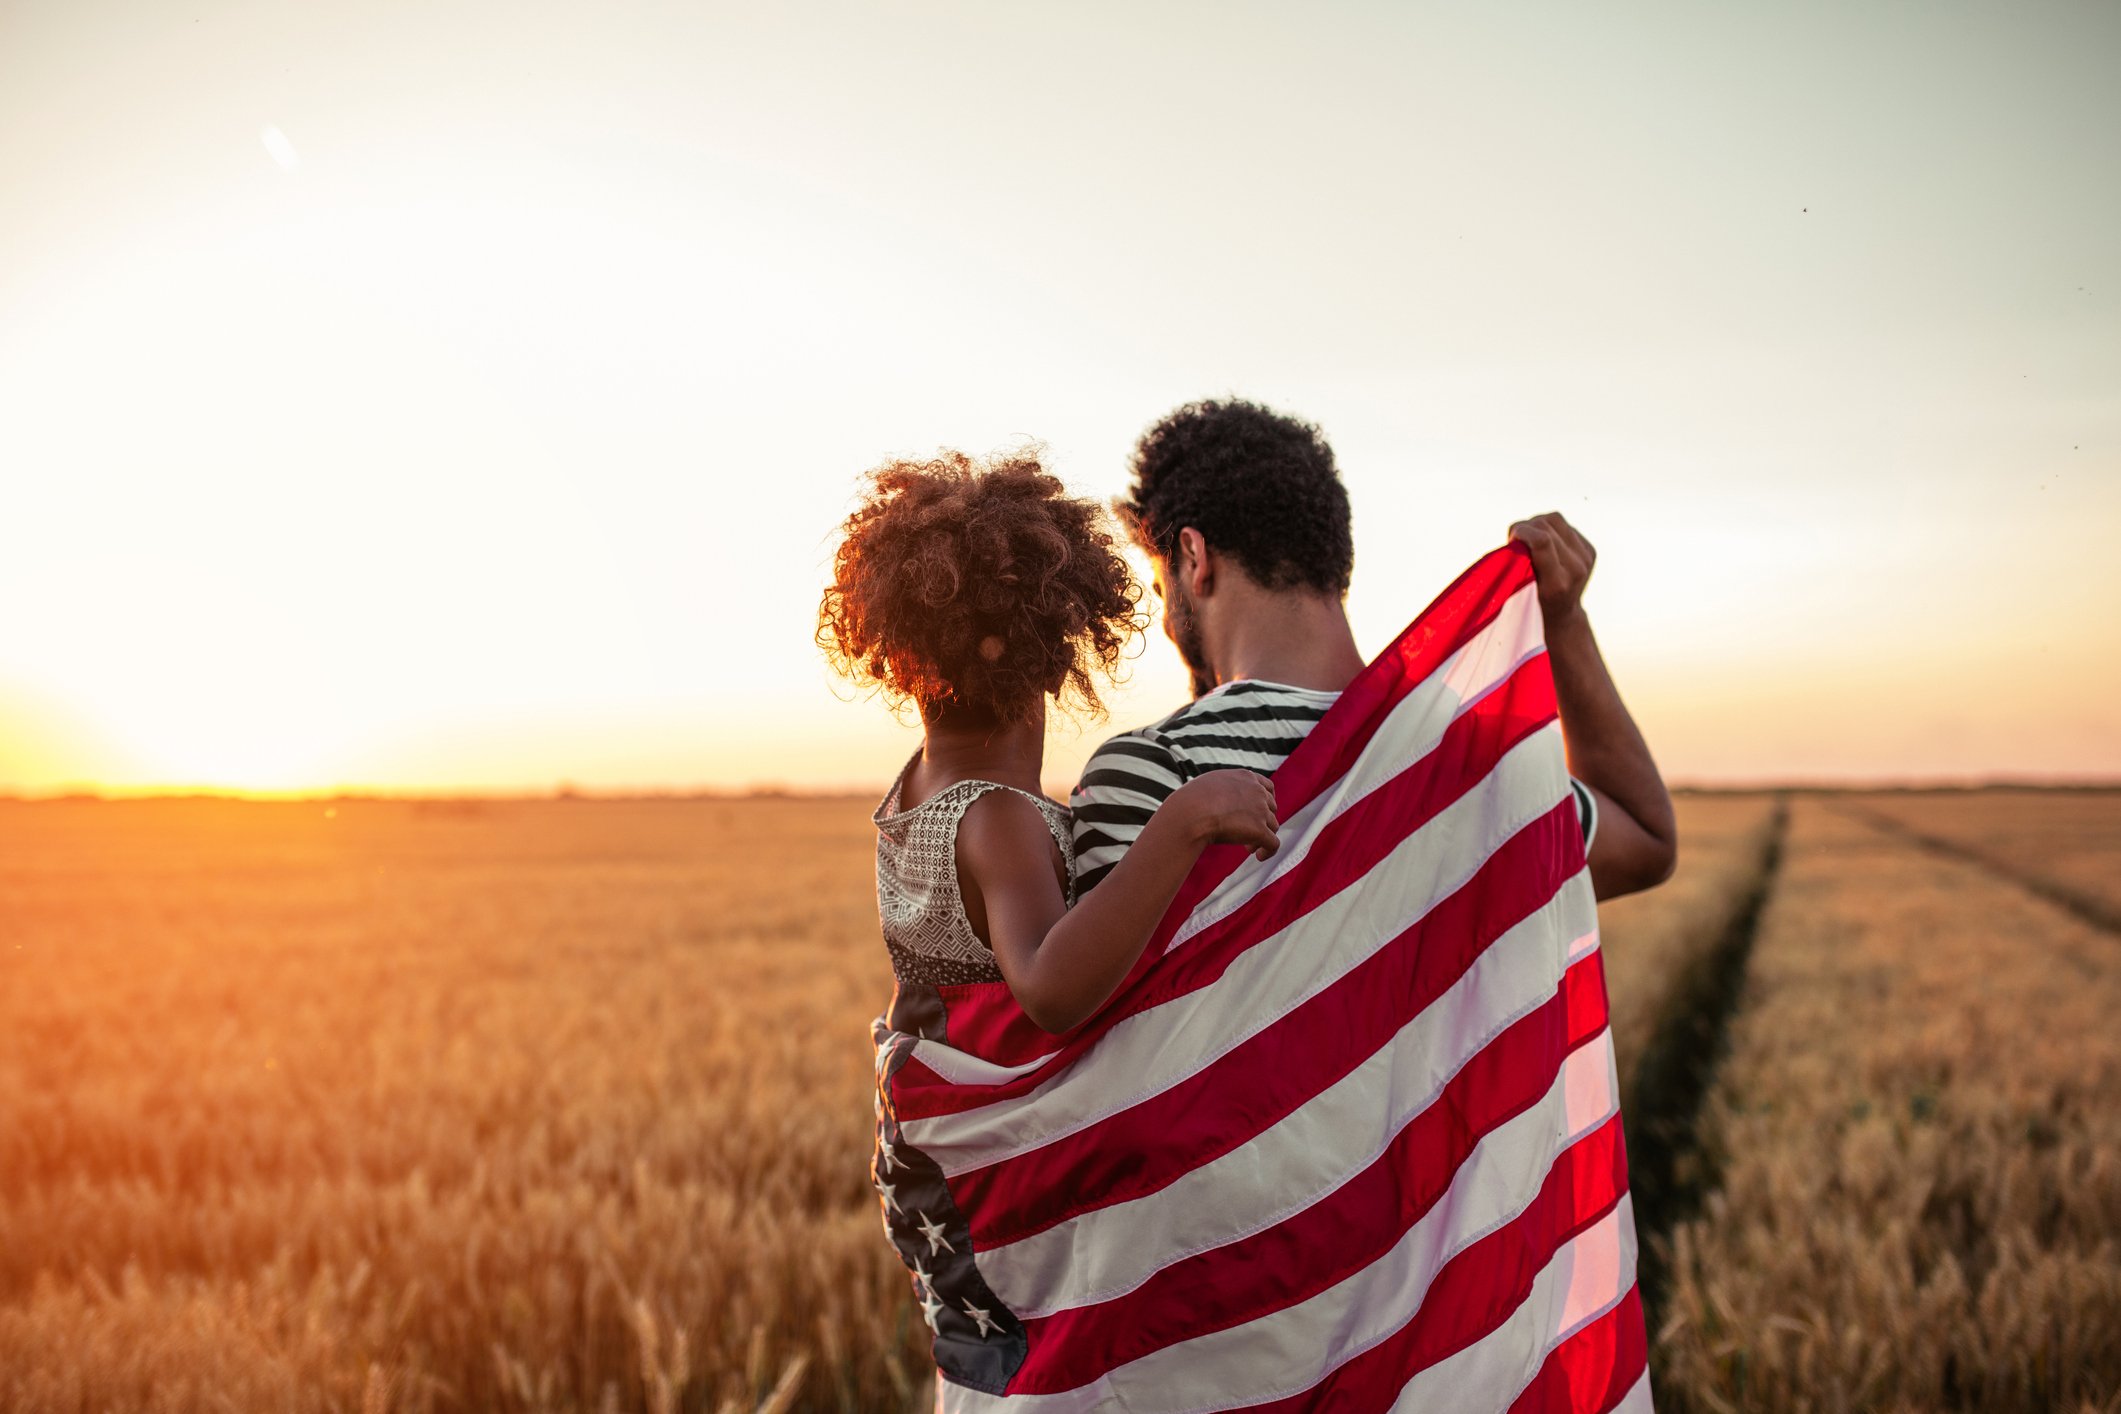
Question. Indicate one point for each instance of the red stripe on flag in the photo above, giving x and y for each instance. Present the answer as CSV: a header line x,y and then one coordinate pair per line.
x,y
1594,1369
987,1022
1459,615
1258,1083
1360,837
1452,619
1357,1223
1478,1289
983,1019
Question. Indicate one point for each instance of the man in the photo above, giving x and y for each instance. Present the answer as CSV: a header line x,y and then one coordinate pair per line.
x,y
1352,1139
1246,525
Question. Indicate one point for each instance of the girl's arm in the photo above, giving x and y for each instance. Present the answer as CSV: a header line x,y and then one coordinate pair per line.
x,y
1062,964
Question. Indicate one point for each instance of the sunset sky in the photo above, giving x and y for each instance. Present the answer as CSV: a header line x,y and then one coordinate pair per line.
x,y
463,397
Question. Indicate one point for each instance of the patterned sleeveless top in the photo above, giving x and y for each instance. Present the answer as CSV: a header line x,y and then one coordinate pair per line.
x,y
917,898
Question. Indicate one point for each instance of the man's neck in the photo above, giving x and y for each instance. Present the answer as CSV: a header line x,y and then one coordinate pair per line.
x,y
1298,638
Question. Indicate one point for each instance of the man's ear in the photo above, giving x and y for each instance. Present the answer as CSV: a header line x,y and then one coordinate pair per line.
x,y
1192,562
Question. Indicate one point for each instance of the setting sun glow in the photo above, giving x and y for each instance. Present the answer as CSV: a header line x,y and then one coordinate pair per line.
x,y
375,417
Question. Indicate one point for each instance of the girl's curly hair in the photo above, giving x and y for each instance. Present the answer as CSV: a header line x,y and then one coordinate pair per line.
x,y
961,584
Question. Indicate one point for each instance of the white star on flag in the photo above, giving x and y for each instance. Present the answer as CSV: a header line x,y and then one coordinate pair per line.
x,y
1149,1266
930,1307
933,1231
887,1151
890,1198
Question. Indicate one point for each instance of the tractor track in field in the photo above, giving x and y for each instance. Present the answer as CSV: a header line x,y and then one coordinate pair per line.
x,y
2099,914
1668,1173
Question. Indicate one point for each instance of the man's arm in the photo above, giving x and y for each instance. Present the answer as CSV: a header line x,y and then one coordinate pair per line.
x,y
1637,840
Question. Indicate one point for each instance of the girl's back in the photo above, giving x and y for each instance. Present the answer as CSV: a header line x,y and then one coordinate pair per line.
x,y
918,898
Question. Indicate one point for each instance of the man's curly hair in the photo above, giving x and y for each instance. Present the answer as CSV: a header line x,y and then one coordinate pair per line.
x,y
979,586
1257,484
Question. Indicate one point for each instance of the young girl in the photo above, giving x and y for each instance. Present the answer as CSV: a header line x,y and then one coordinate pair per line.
x,y
976,592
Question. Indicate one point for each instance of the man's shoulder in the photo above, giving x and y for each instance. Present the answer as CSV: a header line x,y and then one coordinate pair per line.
x,y
1243,723
1122,784
1123,758
1248,703
1247,723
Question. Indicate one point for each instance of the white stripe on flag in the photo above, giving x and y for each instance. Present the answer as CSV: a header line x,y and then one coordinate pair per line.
x,y
1146,1054
1588,1277
1253,1363
1409,732
1310,1153
1636,1400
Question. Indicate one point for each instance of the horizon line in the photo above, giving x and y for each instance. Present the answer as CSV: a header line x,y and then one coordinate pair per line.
x,y
565,791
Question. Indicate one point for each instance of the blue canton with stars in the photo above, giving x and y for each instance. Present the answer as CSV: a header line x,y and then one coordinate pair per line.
x,y
978,1342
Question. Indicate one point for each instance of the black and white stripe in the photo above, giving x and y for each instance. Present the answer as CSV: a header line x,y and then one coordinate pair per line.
x,y
1247,723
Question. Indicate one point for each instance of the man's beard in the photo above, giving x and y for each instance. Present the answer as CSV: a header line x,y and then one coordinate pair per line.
x,y
1184,629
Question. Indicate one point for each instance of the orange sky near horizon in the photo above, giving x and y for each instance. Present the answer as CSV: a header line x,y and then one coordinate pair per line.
x,y
428,401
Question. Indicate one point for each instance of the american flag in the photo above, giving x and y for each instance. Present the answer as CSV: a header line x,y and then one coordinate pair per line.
x,y
1348,1137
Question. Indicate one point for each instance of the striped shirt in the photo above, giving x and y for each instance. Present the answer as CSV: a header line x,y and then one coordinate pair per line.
x,y
1245,723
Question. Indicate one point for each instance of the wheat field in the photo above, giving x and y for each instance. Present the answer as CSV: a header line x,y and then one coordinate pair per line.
x,y
1658,944
555,1105
2063,844
1917,1145
564,1105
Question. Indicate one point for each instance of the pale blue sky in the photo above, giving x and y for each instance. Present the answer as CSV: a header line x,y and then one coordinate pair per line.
x,y
497,438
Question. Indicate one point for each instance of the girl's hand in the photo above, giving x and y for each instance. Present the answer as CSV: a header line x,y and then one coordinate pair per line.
x,y
1234,806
